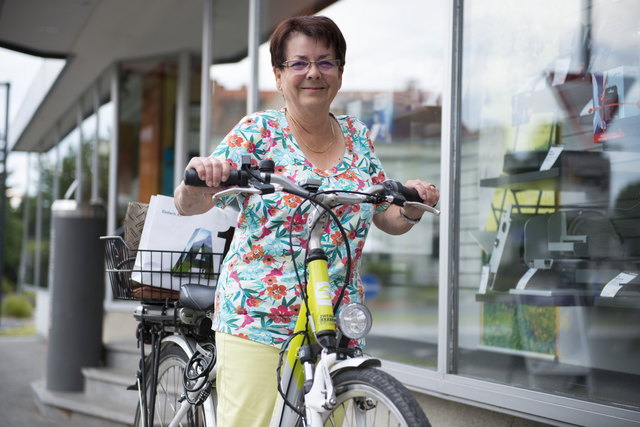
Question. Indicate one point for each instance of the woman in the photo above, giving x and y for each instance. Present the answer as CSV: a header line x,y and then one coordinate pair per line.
x,y
256,301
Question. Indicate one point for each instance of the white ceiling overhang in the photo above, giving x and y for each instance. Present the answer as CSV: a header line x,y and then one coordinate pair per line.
x,y
94,34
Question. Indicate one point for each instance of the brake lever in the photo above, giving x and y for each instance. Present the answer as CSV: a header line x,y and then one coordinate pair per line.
x,y
423,207
234,190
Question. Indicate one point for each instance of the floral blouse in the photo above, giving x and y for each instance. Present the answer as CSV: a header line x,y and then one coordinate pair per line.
x,y
257,295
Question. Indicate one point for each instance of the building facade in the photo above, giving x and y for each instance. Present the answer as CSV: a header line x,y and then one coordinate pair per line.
x,y
523,297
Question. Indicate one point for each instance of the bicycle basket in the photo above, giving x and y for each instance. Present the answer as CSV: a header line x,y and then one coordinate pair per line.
x,y
156,275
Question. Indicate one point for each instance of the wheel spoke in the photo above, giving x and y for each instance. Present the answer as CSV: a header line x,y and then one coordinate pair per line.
x,y
169,387
371,398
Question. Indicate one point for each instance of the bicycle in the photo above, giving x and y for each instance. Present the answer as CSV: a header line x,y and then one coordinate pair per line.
x,y
176,325
321,380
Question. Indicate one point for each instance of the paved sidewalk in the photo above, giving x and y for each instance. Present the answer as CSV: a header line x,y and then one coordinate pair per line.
x,y
22,361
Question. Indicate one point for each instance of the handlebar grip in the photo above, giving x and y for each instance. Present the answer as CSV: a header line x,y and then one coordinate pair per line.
x,y
409,194
191,178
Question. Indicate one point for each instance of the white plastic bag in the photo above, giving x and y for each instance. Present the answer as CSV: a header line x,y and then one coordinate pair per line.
x,y
176,250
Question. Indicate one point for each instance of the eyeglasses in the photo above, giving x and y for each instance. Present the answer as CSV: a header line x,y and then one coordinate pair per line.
x,y
301,66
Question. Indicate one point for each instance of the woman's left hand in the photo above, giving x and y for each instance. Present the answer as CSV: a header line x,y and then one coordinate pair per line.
x,y
428,192
397,220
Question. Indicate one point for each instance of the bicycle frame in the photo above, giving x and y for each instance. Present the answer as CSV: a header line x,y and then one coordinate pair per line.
x,y
316,319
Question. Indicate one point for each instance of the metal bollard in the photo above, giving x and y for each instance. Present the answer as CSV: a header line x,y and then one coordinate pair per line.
x,y
77,293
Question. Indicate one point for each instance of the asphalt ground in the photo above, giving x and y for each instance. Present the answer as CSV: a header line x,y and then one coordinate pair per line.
x,y
22,361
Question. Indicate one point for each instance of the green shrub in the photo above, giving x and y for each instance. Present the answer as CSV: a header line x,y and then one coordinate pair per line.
x,y
7,286
16,305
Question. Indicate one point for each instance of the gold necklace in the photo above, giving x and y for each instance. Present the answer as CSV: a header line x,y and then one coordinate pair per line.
x,y
299,126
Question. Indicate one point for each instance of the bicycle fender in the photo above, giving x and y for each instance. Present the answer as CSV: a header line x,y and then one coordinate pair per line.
x,y
355,362
180,342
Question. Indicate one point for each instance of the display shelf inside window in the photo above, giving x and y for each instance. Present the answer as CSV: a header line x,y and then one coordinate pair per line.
x,y
564,258
574,255
555,170
581,253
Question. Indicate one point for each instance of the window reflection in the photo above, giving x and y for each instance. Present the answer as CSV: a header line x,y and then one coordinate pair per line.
x,y
48,170
549,277
105,133
393,82
27,274
146,130
67,152
88,138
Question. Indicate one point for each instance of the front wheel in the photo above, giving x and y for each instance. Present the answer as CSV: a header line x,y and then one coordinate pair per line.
x,y
370,397
169,387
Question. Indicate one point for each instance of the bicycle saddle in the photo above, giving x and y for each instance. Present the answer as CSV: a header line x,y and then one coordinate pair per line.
x,y
197,297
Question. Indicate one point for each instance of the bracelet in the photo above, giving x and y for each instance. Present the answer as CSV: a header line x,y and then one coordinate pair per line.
x,y
407,219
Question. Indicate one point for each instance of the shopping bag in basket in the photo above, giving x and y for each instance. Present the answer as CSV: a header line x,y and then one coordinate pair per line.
x,y
176,250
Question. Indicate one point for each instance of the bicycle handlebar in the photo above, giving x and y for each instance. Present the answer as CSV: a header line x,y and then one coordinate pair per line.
x,y
191,178
252,178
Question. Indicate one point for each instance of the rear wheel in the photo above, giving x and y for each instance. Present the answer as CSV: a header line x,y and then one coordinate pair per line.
x,y
169,388
370,397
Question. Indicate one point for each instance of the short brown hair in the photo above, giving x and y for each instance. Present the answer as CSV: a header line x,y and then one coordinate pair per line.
x,y
318,28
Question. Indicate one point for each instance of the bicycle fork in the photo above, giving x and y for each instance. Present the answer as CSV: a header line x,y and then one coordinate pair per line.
x,y
320,396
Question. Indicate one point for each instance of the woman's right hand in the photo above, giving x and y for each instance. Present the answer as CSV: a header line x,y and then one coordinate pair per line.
x,y
211,170
191,200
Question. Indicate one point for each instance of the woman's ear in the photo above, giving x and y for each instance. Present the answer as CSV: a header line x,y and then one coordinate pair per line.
x,y
277,72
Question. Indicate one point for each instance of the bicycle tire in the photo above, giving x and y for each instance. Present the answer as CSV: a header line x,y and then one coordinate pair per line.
x,y
173,361
370,398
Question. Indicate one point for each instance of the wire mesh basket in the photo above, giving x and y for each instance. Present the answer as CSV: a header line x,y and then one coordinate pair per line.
x,y
156,275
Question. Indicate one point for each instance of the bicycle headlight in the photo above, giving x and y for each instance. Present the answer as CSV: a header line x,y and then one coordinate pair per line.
x,y
354,320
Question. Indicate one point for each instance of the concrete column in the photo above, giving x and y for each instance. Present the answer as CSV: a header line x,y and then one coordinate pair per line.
x,y
254,43
206,93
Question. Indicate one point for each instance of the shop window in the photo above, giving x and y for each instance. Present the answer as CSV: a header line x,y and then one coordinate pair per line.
x,y
88,137
104,143
393,81
29,263
67,152
549,203
146,129
47,165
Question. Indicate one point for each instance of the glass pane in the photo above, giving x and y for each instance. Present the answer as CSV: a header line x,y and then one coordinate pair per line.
x,y
395,88
229,101
146,130
43,208
27,273
68,148
549,264
105,133
88,135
